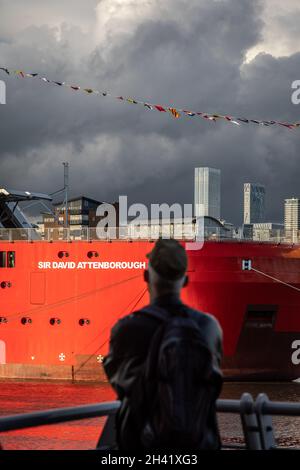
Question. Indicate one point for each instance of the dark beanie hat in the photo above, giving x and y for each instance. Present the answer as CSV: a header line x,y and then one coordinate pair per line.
x,y
168,258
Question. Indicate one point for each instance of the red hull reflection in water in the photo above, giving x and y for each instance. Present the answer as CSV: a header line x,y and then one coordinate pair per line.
x,y
17,397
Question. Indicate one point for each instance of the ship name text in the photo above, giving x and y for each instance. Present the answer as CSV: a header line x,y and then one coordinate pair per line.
x,y
92,265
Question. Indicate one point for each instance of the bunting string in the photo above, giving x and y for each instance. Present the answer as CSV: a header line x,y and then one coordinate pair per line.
x,y
174,112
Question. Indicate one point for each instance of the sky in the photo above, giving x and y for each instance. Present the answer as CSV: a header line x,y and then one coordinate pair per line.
x,y
218,56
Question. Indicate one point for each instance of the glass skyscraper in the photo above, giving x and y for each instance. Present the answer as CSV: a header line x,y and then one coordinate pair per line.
x,y
207,192
254,203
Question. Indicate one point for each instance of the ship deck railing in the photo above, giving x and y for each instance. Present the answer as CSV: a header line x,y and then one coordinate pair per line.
x,y
126,233
255,415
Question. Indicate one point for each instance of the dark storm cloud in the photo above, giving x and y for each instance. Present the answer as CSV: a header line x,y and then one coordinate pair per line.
x,y
190,53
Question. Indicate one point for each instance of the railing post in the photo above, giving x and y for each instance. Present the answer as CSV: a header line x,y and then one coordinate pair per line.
x,y
265,423
249,422
107,439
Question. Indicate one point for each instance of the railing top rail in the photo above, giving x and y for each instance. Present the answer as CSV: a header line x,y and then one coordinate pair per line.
x,y
57,415
228,406
268,407
280,408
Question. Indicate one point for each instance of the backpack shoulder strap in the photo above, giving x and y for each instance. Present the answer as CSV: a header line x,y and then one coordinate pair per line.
x,y
156,312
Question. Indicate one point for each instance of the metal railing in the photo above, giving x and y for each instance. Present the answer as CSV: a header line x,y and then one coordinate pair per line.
x,y
127,233
256,419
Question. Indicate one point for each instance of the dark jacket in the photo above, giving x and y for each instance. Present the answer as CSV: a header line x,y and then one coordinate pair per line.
x,y
129,344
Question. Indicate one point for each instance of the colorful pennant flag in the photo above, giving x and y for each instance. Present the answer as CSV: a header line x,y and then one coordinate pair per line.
x,y
160,108
189,113
130,100
20,73
174,112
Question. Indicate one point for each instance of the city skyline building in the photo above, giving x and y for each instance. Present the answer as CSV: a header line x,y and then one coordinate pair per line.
x,y
207,192
292,218
254,203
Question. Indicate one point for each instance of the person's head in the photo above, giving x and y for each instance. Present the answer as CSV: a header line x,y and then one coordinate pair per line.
x,y
166,273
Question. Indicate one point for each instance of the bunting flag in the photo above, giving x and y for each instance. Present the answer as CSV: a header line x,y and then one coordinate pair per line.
x,y
20,73
175,112
189,113
130,100
160,108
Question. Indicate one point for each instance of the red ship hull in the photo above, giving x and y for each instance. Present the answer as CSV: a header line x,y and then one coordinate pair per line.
x,y
259,316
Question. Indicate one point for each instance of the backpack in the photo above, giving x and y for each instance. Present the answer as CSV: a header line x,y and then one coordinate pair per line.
x,y
179,385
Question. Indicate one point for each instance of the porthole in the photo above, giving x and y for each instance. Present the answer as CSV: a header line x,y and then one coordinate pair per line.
x,y
55,321
92,254
26,320
4,284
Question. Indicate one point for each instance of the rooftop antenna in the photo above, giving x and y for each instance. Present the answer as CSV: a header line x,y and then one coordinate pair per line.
x,y
66,190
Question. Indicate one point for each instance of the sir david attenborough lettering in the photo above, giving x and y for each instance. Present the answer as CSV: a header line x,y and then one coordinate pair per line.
x,y
92,265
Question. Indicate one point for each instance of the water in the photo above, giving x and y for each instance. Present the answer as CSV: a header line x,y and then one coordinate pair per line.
x,y
20,397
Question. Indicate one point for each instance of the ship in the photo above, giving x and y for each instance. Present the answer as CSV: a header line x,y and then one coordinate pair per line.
x,y
61,296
